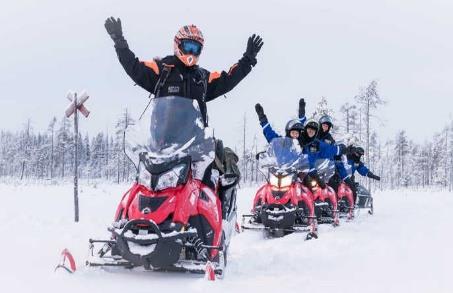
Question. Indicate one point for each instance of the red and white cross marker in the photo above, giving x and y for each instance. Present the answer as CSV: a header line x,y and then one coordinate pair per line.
x,y
80,106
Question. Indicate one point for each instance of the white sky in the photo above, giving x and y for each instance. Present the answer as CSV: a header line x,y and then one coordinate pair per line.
x,y
312,49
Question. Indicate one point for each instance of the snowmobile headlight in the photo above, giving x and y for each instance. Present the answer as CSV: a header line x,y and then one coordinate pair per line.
x,y
144,177
280,182
286,181
171,178
273,180
314,185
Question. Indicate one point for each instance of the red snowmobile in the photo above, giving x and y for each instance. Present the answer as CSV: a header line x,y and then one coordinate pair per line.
x,y
345,196
169,219
345,200
283,205
325,199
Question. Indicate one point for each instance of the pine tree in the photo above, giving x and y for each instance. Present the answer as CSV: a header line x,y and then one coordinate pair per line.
x,y
401,150
51,129
123,164
64,145
322,108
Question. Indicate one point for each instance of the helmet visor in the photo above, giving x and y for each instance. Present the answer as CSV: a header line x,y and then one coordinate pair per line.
x,y
191,47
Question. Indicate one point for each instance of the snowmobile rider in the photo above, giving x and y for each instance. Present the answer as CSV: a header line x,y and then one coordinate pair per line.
x,y
293,128
326,125
324,135
354,156
179,75
306,136
317,149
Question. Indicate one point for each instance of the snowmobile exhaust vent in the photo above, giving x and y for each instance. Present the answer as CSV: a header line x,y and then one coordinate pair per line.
x,y
150,203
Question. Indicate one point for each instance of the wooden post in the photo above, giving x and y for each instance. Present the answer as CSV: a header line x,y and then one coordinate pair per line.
x,y
76,161
73,108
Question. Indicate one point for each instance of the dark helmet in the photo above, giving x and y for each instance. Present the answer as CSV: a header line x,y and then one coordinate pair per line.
x,y
313,125
326,119
293,124
359,151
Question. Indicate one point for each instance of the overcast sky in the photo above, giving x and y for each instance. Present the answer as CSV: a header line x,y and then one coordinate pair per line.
x,y
312,48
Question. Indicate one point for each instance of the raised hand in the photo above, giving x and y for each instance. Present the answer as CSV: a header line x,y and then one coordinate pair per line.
x,y
260,111
301,108
113,27
254,45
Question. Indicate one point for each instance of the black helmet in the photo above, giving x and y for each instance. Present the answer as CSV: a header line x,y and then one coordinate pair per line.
x,y
313,125
359,151
356,153
326,119
293,124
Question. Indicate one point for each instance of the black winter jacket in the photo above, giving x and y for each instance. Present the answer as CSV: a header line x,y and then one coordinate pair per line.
x,y
192,82
326,137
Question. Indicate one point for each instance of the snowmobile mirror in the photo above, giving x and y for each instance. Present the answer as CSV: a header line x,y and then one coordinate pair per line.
x,y
257,156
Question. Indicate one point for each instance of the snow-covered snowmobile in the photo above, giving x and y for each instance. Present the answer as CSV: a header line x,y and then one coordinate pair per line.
x,y
345,197
282,205
169,219
325,199
345,200
364,199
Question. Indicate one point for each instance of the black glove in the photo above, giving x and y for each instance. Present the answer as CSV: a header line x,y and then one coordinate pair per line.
x,y
372,176
254,45
260,111
113,27
301,108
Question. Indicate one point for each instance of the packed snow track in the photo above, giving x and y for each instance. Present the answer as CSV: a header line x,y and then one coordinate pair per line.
x,y
404,247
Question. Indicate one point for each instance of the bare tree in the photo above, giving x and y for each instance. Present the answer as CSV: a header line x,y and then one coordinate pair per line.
x,y
350,115
52,133
244,153
26,145
123,122
369,99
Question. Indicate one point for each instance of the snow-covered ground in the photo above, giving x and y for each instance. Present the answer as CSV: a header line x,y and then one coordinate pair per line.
x,y
404,247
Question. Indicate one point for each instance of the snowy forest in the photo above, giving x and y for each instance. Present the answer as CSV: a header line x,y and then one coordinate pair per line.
x,y
49,154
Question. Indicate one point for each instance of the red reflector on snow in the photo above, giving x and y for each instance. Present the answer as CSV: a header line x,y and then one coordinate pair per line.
x,y
67,262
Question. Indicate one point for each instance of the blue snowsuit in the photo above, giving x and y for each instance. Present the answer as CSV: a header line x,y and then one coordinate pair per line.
x,y
315,150
270,133
342,172
359,167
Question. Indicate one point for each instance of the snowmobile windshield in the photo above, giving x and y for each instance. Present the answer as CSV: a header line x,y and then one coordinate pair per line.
x,y
284,153
171,128
325,168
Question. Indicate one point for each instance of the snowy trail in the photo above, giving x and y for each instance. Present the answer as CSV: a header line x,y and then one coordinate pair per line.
x,y
404,247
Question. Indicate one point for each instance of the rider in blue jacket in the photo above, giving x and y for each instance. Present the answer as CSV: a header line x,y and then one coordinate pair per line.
x,y
326,124
315,148
293,128
354,162
306,135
